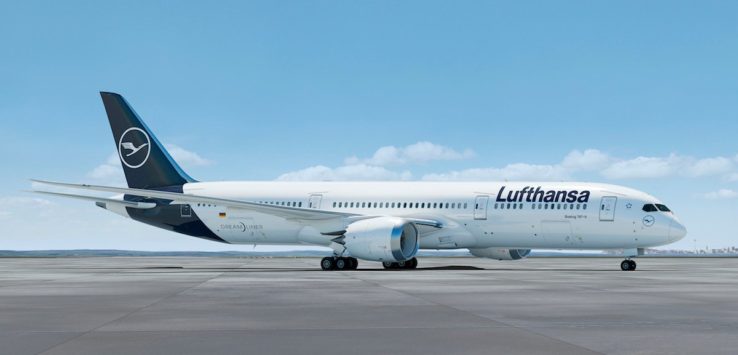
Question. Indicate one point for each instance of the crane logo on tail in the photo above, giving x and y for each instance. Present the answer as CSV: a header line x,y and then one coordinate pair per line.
x,y
133,142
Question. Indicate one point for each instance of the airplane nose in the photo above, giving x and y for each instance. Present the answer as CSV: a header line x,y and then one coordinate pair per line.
x,y
677,231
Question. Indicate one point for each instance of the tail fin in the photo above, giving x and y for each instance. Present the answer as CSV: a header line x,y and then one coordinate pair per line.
x,y
146,163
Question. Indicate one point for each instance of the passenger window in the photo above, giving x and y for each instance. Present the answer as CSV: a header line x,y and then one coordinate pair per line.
x,y
464,205
584,206
649,208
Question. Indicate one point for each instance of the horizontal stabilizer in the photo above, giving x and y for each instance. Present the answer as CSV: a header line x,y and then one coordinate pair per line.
x,y
282,211
132,204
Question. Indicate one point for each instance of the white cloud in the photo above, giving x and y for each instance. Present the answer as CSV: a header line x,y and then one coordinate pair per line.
x,y
375,168
589,160
733,177
710,167
349,172
643,168
21,206
519,171
721,194
575,162
110,169
419,152
669,166
185,157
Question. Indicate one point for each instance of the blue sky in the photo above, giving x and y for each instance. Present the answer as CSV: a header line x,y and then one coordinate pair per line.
x,y
642,94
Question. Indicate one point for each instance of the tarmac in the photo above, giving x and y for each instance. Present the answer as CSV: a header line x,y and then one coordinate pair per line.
x,y
201,305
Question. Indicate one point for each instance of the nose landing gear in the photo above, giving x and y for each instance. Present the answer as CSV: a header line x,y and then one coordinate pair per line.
x,y
628,265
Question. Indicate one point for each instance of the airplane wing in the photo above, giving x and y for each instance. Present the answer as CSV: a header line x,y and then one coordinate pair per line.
x,y
295,213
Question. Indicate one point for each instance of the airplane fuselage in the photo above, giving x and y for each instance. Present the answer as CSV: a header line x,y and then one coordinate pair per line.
x,y
474,214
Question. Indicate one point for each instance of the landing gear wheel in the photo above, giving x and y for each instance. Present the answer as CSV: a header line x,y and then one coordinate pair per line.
x,y
353,263
342,264
388,265
401,265
327,263
628,265
412,263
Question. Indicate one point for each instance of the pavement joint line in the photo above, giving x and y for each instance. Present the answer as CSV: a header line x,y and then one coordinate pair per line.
x,y
130,313
348,273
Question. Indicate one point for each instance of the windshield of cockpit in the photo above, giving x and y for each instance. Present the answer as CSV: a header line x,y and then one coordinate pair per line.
x,y
655,207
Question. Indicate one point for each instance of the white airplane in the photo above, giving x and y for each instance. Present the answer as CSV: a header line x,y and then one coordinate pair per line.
x,y
386,222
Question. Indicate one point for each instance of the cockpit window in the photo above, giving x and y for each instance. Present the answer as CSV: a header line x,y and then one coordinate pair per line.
x,y
663,208
650,208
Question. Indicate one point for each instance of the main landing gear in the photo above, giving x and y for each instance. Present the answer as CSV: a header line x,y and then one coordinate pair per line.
x,y
408,264
339,263
628,265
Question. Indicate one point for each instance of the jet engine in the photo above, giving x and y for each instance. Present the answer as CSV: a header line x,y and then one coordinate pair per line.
x,y
500,253
382,239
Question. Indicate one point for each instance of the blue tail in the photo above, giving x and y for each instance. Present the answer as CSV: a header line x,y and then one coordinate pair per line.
x,y
146,163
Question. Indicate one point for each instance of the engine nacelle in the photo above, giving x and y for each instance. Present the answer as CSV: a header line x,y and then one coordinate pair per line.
x,y
500,253
382,239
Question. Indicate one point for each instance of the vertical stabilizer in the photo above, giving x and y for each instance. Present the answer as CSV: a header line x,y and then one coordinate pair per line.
x,y
146,163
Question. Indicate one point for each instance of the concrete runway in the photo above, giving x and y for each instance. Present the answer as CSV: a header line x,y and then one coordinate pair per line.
x,y
184,305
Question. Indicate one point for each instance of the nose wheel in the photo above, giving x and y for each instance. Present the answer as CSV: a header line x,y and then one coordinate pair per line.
x,y
339,263
628,265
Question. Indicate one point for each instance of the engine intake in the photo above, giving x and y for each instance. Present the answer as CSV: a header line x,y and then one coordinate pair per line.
x,y
382,239
500,253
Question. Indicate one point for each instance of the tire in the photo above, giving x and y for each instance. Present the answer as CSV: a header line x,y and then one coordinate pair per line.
x,y
354,262
632,265
625,265
327,263
342,264
412,263
388,265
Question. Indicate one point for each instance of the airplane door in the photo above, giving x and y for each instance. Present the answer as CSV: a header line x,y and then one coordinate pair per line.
x,y
607,208
480,207
314,201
